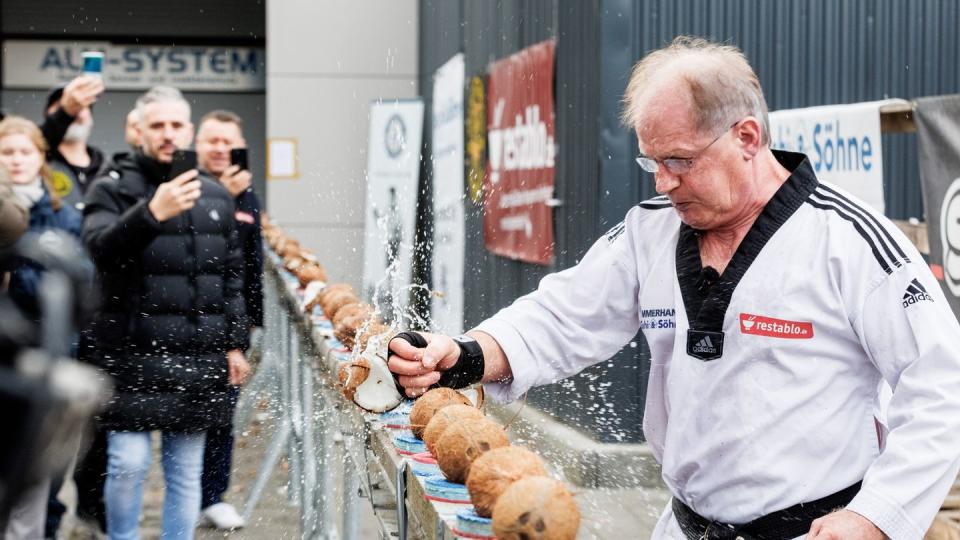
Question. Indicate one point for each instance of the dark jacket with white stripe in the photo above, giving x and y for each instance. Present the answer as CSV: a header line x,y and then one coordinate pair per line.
x,y
171,300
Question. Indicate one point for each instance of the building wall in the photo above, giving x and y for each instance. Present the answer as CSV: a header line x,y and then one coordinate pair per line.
x,y
327,62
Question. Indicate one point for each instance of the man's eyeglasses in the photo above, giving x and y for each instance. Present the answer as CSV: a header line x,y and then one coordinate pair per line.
x,y
676,165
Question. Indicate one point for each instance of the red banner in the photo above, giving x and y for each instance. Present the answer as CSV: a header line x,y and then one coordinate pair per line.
x,y
517,219
759,325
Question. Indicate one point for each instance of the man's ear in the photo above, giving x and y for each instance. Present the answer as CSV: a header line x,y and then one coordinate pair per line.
x,y
749,134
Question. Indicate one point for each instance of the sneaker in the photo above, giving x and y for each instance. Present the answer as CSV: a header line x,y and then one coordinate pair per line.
x,y
222,516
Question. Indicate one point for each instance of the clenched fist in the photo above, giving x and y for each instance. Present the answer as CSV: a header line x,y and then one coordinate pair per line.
x,y
175,197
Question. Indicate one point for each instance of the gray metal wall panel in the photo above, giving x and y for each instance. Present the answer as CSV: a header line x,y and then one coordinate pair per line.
x,y
494,30
814,52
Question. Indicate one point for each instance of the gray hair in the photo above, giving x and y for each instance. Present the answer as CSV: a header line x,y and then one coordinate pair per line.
x,y
717,77
158,94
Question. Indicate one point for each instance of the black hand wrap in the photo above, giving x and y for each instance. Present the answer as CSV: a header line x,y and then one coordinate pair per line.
x,y
413,338
469,367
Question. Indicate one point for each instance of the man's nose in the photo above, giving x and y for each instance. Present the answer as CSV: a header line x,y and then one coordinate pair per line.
x,y
665,181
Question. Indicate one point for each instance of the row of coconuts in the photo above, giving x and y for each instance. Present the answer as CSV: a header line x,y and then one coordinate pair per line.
x,y
509,484
365,379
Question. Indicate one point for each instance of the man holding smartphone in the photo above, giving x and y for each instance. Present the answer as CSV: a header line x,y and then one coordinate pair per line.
x,y
171,325
67,124
222,152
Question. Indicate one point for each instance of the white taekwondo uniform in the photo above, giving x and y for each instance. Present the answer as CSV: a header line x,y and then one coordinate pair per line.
x,y
764,397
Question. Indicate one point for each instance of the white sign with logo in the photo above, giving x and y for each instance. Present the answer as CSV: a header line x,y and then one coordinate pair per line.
x,y
393,174
448,196
842,142
950,236
44,64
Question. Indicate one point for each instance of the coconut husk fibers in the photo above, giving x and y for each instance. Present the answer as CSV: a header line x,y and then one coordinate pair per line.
x,y
332,302
346,330
374,329
493,472
536,508
429,403
351,375
329,289
348,320
444,418
464,442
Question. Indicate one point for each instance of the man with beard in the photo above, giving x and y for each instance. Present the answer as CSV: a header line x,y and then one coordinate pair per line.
x,y
171,326
66,127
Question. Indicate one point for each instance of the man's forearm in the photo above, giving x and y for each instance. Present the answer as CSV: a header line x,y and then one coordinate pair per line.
x,y
496,367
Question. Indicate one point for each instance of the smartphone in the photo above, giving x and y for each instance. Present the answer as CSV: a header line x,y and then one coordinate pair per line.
x,y
239,156
93,63
183,161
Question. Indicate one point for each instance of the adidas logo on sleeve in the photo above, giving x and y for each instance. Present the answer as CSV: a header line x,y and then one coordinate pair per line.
x,y
915,293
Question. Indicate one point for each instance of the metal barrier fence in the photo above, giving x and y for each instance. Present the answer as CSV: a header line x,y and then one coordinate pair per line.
x,y
323,441
338,454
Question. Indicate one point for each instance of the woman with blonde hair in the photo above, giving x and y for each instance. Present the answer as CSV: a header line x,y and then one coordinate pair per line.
x,y
22,159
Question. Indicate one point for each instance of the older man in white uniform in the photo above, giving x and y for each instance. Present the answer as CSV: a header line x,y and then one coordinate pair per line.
x,y
773,304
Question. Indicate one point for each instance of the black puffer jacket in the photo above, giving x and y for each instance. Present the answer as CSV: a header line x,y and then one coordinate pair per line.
x,y
171,300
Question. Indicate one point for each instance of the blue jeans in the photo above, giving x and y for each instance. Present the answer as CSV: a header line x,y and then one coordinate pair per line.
x,y
128,461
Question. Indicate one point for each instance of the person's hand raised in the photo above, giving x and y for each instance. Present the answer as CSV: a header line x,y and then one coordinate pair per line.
x,y
175,197
236,180
80,93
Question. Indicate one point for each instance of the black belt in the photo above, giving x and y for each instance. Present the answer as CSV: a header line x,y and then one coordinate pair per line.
x,y
780,525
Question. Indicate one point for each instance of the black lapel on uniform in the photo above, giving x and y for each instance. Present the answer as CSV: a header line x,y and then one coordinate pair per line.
x,y
705,336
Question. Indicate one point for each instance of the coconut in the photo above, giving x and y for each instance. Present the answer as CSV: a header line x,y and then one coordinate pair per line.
x,y
332,302
352,375
493,472
309,256
444,418
429,403
368,382
352,310
292,262
464,442
308,272
346,329
373,331
536,507
288,246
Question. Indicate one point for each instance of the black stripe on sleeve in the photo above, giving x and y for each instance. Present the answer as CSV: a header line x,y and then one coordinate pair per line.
x,y
859,227
871,217
858,215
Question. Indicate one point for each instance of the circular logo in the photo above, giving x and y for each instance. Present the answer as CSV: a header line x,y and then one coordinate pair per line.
x,y
62,184
395,136
950,236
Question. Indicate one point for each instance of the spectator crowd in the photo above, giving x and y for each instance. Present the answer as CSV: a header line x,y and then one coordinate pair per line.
x,y
171,226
